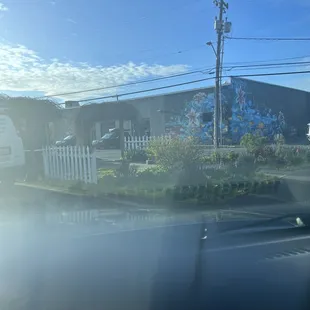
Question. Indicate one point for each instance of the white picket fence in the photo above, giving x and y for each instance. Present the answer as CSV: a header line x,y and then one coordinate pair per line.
x,y
138,143
74,163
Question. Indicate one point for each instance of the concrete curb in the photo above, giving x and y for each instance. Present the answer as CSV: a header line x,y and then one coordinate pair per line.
x,y
124,203
97,199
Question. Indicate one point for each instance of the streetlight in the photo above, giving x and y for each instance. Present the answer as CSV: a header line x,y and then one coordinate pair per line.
x,y
211,44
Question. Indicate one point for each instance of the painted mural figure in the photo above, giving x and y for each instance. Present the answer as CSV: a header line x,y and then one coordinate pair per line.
x,y
245,116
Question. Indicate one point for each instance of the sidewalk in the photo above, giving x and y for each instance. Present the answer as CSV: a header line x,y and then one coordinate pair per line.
x,y
300,174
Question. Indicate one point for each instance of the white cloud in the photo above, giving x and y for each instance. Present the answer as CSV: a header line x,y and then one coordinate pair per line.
x,y
70,20
23,70
3,8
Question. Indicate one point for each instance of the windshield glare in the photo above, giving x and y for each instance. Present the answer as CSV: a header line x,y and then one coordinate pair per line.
x,y
107,136
120,116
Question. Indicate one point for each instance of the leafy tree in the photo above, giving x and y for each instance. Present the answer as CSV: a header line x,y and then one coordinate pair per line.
x,y
176,153
31,117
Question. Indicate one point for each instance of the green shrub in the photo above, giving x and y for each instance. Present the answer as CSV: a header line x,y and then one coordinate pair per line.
x,y
307,155
253,143
245,165
279,139
231,156
176,154
220,157
126,170
265,154
105,172
291,156
152,173
136,156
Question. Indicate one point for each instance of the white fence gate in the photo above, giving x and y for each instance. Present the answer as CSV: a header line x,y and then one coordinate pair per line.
x,y
70,163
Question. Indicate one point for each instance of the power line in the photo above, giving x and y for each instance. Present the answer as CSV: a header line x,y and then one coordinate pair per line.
x,y
268,64
262,61
148,90
197,81
128,84
202,70
264,68
267,39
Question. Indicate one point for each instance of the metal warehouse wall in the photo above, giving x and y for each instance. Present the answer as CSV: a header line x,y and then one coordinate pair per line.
x,y
293,103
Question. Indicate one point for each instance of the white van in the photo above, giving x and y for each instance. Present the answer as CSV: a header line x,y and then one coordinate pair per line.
x,y
12,156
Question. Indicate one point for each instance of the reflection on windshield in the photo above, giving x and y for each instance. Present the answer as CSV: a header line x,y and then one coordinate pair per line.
x,y
107,136
144,134
68,138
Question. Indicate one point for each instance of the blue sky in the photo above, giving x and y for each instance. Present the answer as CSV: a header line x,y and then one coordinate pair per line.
x,y
50,47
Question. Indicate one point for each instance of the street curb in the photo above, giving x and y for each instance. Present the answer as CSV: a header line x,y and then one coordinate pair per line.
x,y
125,202
97,199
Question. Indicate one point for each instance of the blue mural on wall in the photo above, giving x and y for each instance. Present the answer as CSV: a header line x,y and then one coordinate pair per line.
x,y
189,121
240,115
246,117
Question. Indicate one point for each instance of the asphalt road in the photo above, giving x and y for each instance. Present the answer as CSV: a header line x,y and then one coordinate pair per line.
x,y
63,253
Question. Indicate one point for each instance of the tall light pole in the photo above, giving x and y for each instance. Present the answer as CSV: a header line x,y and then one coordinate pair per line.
x,y
220,27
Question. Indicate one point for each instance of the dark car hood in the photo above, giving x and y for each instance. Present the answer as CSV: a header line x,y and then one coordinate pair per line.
x,y
88,259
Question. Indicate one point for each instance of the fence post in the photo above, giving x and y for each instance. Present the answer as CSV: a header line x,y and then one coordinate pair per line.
x,y
80,175
55,162
85,177
64,162
72,163
89,174
68,163
126,143
45,161
94,168
76,166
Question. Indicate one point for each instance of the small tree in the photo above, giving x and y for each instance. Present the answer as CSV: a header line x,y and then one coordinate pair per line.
x,y
176,153
253,143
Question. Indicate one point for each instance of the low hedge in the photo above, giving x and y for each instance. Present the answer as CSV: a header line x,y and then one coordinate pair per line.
x,y
213,192
210,193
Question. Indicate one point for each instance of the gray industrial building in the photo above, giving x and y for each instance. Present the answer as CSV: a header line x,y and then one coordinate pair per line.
x,y
247,106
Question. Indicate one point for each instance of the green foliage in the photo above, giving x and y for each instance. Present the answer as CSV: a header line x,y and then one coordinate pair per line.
x,y
155,173
266,154
220,192
253,143
221,157
126,170
136,156
105,172
245,165
279,139
176,154
291,156
307,155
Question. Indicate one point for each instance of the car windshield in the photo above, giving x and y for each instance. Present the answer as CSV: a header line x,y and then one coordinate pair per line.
x,y
107,136
68,138
118,117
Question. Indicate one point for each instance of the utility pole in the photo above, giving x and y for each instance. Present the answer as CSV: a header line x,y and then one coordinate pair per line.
x,y
219,27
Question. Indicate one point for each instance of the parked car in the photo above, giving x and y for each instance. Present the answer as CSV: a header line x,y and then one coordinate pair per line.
x,y
67,141
110,140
